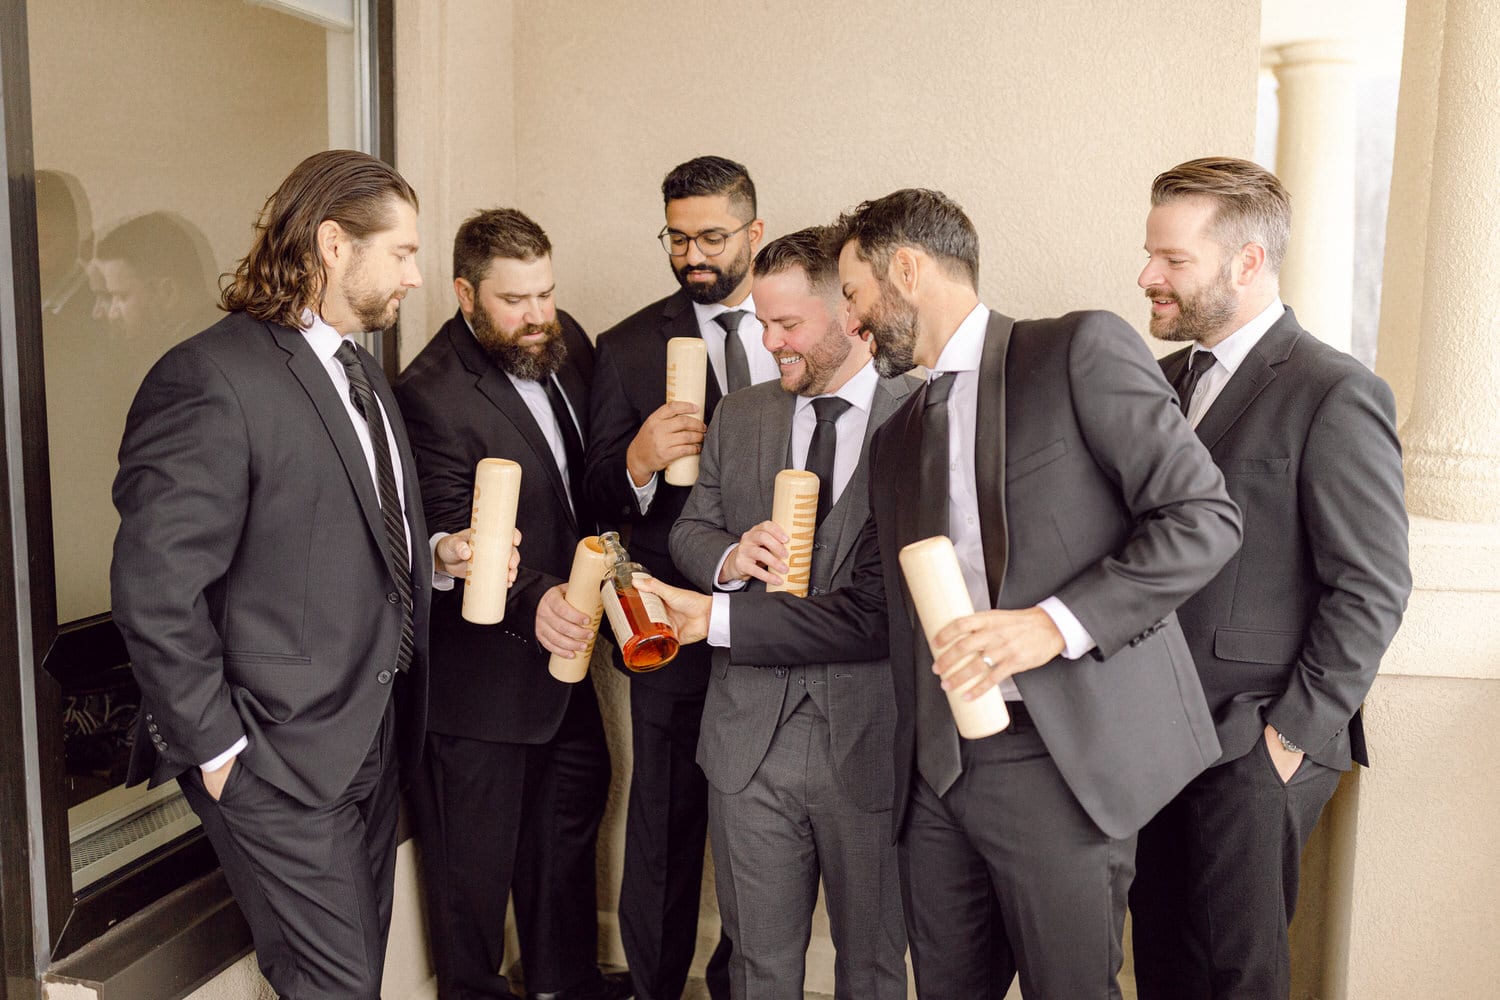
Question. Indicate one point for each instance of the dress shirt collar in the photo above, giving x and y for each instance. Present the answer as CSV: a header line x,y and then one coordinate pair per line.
x,y
1233,349
859,391
965,348
706,313
322,338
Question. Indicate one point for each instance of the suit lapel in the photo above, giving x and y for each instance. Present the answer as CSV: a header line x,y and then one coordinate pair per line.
x,y
309,371
854,503
989,452
497,387
774,447
1249,380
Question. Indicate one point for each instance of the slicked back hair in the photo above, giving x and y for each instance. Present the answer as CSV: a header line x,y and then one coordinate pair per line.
x,y
912,217
807,250
1250,203
283,272
503,233
712,175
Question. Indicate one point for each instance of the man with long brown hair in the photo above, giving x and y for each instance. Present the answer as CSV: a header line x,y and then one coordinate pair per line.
x,y
272,574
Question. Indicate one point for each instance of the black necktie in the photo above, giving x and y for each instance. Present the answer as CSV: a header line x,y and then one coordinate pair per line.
x,y
736,364
823,447
363,398
1187,379
572,443
937,736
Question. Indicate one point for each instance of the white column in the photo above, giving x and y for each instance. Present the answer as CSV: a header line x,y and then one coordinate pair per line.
x,y
1453,435
1315,160
1411,190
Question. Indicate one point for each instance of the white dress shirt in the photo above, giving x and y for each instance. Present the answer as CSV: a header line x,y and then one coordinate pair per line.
x,y
1228,354
962,355
325,340
850,428
763,367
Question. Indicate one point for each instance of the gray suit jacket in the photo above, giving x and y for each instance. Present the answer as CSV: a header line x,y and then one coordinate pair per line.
x,y
747,444
1092,488
1292,630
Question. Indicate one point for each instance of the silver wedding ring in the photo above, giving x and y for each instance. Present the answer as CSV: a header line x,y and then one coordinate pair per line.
x,y
989,664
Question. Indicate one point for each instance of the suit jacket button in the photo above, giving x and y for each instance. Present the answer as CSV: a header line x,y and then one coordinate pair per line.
x,y
151,727
781,671
393,598
148,716
162,747
384,677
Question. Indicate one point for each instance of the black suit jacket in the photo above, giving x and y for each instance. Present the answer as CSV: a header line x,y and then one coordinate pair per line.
x,y
1091,488
1292,630
630,385
249,576
490,682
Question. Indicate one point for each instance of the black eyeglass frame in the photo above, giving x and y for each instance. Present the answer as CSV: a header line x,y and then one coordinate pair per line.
x,y
666,234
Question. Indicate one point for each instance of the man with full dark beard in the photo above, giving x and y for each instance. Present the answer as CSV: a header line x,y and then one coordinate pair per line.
x,y
711,235
1288,637
513,785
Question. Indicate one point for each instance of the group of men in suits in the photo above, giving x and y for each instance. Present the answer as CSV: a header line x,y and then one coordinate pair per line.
x,y
1181,706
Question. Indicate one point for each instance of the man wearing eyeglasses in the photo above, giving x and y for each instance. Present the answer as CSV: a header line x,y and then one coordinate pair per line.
x,y
710,238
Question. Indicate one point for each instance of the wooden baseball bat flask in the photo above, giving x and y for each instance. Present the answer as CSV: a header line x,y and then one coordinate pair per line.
x,y
687,371
497,491
937,588
591,565
795,511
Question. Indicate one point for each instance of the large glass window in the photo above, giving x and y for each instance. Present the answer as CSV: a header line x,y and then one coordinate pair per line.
x,y
160,126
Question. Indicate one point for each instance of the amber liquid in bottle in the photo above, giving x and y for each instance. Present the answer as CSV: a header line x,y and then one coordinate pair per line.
x,y
651,643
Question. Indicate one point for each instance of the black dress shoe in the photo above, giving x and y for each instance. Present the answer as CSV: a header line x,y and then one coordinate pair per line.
x,y
609,986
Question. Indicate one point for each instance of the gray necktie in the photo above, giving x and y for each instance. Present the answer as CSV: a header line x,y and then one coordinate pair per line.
x,y
736,364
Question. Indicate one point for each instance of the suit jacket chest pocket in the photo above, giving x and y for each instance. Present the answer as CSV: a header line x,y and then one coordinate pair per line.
x,y
1259,484
1019,468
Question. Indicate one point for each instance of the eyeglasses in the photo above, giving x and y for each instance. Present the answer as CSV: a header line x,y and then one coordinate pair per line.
x,y
710,241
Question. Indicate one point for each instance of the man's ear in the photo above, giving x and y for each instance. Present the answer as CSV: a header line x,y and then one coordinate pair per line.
x,y
333,242
465,293
1250,264
905,271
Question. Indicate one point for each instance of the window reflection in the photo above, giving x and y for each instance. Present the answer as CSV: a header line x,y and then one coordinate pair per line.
x,y
159,131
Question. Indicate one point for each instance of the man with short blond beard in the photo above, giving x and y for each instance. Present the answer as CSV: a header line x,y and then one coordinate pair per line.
x,y
799,777
1288,636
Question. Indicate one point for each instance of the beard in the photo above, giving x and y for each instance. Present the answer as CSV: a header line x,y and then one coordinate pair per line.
x,y
531,363
819,363
894,327
1200,314
375,309
725,280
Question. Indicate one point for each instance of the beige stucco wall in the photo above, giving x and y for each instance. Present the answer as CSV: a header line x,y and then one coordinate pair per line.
x,y
1046,120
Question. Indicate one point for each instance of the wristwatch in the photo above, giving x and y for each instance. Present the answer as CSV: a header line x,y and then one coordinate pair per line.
x,y
1288,745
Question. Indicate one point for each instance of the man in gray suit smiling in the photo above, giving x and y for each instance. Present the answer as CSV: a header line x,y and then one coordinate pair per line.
x,y
800,777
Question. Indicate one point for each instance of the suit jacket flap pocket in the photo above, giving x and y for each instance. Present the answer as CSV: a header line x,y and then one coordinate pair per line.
x,y
1027,464
1257,646
1255,466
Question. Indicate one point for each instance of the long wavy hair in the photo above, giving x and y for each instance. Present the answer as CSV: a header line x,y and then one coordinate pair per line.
x,y
283,273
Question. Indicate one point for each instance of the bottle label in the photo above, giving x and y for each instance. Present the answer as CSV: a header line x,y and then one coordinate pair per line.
x,y
619,621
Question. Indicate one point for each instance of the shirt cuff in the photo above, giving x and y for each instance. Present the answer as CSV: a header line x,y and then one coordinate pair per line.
x,y
643,494
732,585
718,622
441,580
228,755
1076,638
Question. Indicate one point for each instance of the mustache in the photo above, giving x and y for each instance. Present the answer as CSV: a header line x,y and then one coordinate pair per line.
x,y
1155,292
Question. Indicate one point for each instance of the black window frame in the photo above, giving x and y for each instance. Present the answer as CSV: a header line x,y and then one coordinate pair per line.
x,y
42,921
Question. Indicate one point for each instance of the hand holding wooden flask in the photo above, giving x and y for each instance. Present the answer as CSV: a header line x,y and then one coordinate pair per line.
x,y
591,567
497,491
937,588
687,374
795,511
